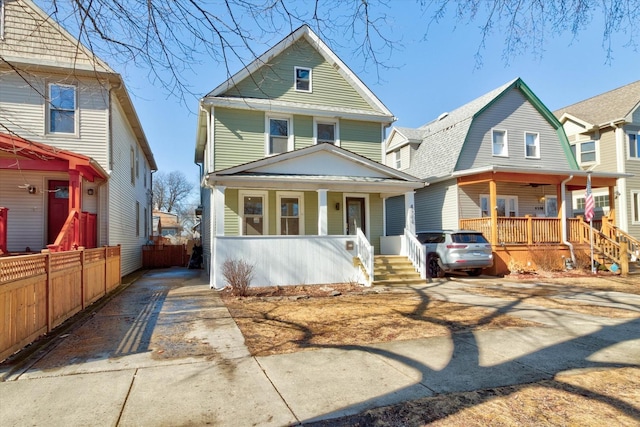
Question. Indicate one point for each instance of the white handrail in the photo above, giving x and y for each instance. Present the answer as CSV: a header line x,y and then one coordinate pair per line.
x,y
416,253
365,254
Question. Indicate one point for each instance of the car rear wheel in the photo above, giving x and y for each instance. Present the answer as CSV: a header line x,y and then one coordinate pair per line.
x,y
433,267
475,272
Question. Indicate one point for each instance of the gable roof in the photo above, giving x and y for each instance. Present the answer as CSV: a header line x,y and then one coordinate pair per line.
x,y
443,138
83,63
316,167
600,110
307,33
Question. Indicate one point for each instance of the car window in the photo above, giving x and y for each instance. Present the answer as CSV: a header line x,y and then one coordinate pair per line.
x,y
431,237
468,238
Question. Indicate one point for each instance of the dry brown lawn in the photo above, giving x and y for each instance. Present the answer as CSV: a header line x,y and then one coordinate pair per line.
x,y
286,320
289,319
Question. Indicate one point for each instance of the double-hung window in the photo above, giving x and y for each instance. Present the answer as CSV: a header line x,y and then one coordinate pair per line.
x,y
499,142
62,108
634,144
532,145
279,135
303,79
397,159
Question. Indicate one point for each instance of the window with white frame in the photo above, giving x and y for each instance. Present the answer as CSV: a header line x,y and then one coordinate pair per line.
x,y
290,214
499,142
303,79
62,108
278,136
137,161
600,201
634,144
505,205
144,173
584,152
253,213
397,159
137,218
326,132
1,19
635,206
532,145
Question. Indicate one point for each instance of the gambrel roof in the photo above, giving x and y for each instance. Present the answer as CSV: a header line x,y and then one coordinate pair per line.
x,y
601,110
444,138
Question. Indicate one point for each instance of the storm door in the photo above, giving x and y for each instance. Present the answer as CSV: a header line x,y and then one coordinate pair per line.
x,y
355,212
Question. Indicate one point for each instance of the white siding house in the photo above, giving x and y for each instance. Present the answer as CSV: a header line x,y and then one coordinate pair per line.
x,y
54,91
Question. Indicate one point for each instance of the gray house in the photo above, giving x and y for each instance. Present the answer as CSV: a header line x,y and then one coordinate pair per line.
x,y
500,164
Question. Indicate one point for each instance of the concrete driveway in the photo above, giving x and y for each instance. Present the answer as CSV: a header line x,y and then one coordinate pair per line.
x,y
165,351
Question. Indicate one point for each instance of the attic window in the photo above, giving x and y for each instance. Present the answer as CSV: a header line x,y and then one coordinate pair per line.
x,y
303,79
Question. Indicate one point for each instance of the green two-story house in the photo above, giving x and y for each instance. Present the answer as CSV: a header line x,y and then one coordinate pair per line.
x,y
290,150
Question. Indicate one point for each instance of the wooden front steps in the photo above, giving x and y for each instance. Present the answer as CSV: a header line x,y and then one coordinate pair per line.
x,y
395,270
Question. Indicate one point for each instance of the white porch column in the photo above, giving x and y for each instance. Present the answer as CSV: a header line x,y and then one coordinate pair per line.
x,y
218,209
323,221
409,209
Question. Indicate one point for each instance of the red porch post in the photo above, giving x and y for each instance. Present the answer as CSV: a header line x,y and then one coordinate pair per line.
x,y
75,200
4,212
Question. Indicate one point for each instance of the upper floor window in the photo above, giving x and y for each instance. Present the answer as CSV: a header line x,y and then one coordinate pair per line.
x,y
499,142
144,173
279,135
634,144
62,108
326,131
584,152
532,145
132,158
303,79
1,19
397,159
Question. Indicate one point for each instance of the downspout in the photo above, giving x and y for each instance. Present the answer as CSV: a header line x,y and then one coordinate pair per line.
x,y
563,218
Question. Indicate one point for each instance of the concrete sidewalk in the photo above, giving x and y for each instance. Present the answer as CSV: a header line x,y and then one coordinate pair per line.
x,y
165,351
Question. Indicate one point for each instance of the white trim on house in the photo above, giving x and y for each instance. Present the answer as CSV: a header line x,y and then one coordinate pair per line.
x,y
536,145
505,143
296,79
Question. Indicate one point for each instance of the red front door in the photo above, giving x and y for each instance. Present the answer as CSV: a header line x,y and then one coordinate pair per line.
x,y
58,208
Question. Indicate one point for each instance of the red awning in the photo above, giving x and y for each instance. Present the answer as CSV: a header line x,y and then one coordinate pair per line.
x,y
17,153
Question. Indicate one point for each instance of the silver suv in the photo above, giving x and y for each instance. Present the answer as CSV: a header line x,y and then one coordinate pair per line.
x,y
455,250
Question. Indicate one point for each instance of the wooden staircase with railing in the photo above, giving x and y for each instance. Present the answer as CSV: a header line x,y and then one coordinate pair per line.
x,y
395,270
613,248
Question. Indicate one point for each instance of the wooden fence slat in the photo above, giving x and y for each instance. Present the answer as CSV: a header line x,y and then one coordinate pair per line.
x,y
39,292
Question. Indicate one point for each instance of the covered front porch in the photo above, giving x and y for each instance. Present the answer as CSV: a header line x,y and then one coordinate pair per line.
x,y
520,213
46,197
311,216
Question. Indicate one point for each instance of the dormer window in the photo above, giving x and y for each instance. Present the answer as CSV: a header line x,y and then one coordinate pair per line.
x,y
303,79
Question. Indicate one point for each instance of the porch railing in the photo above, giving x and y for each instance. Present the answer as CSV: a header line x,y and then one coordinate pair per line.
x,y
416,253
78,230
365,254
620,236
527,230
4,213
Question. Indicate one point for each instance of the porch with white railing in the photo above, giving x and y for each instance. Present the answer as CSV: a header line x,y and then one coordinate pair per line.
x,y
296,260
414,250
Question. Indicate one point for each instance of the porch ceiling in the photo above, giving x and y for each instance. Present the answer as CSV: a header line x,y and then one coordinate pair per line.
x,y
315,182
579,180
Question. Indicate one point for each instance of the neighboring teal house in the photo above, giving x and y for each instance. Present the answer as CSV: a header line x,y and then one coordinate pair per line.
x,y
290,150
500,164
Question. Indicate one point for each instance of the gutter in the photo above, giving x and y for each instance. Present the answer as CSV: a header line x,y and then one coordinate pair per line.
x,y
563,218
